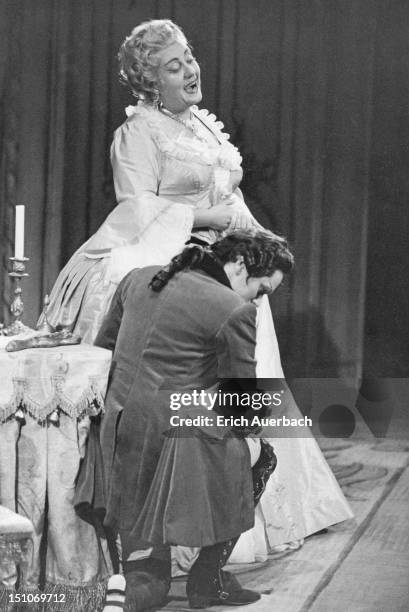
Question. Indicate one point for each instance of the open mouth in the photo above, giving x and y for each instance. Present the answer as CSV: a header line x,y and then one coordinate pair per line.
x,y
192,87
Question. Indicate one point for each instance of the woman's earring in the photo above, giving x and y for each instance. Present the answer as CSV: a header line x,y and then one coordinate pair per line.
x,y
156,98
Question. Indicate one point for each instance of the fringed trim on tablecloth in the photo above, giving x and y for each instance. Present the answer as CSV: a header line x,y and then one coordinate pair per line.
x,y
26,600
62,598
90,403
77,599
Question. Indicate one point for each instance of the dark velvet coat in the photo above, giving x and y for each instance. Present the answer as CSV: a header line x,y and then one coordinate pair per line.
x,y
188,486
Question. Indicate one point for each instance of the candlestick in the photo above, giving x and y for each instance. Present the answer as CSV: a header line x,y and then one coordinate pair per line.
x,y
19,234
17,307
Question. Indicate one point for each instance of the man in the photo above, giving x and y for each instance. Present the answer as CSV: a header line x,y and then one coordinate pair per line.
x,y
183,330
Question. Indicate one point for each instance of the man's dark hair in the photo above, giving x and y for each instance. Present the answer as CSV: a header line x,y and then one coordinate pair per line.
x,y
263,253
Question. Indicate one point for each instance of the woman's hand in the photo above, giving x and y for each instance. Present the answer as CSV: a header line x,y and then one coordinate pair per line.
x,y
240,221
230,214
217,217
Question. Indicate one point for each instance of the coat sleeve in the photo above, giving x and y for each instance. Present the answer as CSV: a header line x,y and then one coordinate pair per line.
x,y
239,390
236,344
109,329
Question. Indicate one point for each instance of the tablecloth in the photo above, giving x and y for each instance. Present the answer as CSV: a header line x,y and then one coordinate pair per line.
x,y
47,397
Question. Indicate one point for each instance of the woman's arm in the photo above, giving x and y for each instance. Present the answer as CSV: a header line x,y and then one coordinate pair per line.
x,y
136,160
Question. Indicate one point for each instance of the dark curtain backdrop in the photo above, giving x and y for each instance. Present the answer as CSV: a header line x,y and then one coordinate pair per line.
x,y
315,94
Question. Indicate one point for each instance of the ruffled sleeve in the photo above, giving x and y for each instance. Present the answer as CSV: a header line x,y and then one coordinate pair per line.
x,y
141,218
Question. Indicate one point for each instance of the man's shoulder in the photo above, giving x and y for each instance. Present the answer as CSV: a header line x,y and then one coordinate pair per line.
x,y
242,313
211,285
135,275
212,296
137,278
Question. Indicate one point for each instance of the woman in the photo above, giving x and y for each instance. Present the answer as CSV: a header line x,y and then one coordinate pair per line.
x,y
177,179
175,174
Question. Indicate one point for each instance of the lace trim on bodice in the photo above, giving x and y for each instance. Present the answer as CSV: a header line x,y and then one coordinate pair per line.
x,y
190,149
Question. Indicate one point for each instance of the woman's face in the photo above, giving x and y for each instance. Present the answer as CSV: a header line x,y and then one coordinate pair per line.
x,y
178,78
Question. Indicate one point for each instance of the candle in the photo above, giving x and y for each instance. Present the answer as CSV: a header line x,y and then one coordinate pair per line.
x,y
19,233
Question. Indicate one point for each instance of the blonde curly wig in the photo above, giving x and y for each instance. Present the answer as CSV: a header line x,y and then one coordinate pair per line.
x,y
137,62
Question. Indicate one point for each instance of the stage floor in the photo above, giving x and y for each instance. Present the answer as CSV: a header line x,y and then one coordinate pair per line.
x,y
361,565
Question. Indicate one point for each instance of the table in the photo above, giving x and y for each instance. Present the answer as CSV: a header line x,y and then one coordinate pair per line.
x,y
47,397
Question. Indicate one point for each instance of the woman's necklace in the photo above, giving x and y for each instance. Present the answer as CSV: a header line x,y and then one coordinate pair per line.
x,y
189,124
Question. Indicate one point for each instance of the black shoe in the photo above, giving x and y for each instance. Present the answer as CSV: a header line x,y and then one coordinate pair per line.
x,y
242,597
226,591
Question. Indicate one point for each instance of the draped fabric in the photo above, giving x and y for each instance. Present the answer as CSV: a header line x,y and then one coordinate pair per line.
x,y
314,94
40,458
72,379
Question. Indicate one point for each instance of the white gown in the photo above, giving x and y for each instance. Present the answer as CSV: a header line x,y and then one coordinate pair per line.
x,y
302,495
162,172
